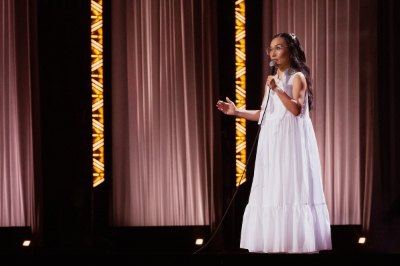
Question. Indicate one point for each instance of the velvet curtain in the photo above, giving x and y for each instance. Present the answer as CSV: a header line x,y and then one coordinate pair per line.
x,y
329,34
17,184
163,83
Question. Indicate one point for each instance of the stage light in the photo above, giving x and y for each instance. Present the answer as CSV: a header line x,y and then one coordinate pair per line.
x,y
361,240
98,144
240,91
101,180
199,241
97,91
26,243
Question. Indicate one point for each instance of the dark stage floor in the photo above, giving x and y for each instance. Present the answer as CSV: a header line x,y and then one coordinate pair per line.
x,y
200,259
173,246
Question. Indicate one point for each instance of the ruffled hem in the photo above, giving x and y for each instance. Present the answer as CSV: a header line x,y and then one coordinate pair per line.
x,y
297,228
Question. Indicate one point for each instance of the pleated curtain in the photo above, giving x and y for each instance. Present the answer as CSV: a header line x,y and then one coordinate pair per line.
x,y
162,113
17,196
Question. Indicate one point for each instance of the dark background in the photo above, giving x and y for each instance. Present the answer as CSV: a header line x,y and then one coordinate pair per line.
x,y
65,108
385,209
76,216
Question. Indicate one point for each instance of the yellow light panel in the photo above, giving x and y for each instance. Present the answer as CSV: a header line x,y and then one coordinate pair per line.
x,y
240,52
97,91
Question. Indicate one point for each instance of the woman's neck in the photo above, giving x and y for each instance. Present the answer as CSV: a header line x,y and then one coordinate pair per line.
x,y
281,70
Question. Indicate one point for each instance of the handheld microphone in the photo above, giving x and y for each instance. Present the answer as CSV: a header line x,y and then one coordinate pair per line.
x,y
272,64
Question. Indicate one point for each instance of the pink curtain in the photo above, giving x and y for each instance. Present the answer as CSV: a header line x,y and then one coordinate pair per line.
x,y
329,33
162,113
17,197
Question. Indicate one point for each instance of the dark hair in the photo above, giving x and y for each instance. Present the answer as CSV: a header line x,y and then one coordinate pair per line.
x,y
298,61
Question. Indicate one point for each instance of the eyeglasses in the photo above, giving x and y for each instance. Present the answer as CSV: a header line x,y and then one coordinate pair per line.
x,y
277,49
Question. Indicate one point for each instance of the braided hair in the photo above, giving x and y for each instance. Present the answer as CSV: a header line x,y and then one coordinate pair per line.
x,y
298,61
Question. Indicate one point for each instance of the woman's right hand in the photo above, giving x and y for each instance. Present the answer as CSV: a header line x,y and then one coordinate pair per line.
x,y
228,108
271,82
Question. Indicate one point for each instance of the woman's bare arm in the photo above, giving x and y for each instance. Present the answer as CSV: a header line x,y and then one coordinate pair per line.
x,y
252,115
229,108
295,104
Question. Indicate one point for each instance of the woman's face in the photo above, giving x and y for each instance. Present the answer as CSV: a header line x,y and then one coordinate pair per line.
x,y
280,53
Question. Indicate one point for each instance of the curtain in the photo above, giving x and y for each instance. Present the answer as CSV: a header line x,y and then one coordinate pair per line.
x,y
163,76
329,34
17,196
369,126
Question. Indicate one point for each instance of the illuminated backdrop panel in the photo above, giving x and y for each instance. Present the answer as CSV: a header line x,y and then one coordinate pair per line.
x,y
97,91
240,51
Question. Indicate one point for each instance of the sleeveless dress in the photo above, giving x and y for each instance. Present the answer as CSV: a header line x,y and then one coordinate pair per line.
x,y
286,211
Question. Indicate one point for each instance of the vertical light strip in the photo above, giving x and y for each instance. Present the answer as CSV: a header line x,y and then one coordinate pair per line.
x,y
240,38
97,91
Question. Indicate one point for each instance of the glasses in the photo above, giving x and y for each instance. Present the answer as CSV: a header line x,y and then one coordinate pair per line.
x,y
277,49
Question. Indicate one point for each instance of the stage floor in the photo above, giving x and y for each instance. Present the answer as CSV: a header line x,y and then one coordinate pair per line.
x,y
226,258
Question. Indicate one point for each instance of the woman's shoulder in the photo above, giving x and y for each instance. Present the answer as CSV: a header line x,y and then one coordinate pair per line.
x,y
295,73
298,74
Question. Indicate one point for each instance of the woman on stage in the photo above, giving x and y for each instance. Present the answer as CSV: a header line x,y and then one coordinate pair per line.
x,y
286,212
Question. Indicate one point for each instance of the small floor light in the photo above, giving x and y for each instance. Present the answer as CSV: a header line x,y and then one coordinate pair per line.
x,y
199,241
361,240
26,243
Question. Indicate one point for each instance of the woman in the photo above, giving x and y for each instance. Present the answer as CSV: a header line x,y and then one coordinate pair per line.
x,y
286,212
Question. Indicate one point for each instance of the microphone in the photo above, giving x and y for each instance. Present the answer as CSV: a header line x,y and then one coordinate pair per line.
x,y
272,64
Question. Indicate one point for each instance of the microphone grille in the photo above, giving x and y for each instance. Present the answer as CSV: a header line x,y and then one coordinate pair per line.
x,y
272,63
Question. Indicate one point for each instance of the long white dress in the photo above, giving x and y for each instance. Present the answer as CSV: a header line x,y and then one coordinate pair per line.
x,y
286,211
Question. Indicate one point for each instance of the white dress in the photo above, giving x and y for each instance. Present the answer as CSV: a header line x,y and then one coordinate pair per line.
x,y
286,211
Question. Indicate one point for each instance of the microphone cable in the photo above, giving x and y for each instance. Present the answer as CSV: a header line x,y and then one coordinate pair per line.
x,y
237,189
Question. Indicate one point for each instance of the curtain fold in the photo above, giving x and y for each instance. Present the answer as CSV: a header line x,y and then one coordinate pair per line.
x,y
163,122
369,126
17,187
329,34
